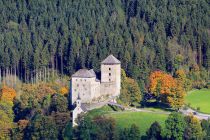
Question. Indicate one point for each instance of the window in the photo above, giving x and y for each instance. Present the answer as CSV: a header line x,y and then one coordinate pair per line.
x,y
76,79
109,80
109,68
110,74
77,85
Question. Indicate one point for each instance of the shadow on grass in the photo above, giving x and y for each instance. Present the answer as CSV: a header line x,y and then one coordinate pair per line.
x,y
156,105
144,137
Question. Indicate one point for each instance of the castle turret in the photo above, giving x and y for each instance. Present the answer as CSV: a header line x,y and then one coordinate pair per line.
x,y
78,102
79,109
111,76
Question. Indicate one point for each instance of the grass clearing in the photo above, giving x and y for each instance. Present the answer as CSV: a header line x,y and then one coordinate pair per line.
x,y
142,119
125,119
199,99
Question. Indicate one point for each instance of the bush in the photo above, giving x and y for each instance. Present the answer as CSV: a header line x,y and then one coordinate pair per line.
x,y
189,104
185,107
208,86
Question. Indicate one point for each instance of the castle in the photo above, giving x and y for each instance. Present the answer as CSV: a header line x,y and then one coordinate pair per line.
x,y
86,88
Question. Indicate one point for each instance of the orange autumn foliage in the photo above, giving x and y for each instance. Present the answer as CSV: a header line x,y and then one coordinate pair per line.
x,y
161,82
166,88
64,90
7,93
44,89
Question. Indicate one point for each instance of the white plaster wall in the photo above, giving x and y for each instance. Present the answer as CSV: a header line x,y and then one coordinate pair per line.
x,y
81,86
95,87
76,112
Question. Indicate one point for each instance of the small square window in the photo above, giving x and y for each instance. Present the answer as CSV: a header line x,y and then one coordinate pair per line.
x,y
77,85
109,68
109,80
110,74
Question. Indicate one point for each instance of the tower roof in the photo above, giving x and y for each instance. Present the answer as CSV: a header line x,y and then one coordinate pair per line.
x,y
84,73
92,71
111,60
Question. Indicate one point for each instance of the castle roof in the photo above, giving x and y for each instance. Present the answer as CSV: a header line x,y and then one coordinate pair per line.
x,y
111,60
84,73
92,71
83,107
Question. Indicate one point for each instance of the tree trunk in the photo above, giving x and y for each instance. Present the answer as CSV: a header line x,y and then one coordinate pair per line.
x,y
61,61
48,74
37,78
15,75
40,75
45,75
0,76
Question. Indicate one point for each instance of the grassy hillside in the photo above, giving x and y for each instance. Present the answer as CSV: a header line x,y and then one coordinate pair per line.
x,y
199,98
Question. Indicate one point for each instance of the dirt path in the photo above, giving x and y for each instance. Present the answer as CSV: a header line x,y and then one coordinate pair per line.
x,y
132,109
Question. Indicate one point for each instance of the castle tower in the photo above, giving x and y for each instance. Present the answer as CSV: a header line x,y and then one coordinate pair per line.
x,y
111,76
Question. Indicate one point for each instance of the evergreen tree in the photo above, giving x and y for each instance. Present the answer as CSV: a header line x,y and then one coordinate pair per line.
x,y
154,132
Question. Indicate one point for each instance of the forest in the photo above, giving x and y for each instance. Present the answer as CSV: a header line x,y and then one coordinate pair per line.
x,y
40,37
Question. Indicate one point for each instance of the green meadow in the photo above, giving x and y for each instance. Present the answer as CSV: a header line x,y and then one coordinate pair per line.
x,y
199,99
142,119
125,119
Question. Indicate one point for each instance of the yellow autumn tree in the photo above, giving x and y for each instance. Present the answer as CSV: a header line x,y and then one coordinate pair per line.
x,y
176,97
193,130
130,92
6,119
181,77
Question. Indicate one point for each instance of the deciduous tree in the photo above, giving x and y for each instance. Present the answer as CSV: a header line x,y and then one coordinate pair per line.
x,y
175,126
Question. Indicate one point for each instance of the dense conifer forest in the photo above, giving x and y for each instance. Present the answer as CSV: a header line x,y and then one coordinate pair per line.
x,y
163,46
65,35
